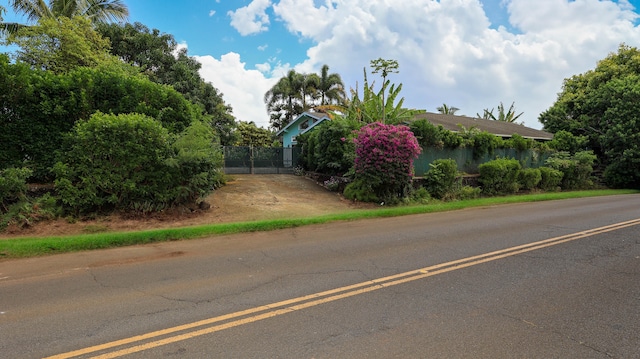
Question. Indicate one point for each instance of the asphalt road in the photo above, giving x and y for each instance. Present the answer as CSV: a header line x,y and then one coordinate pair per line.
x,y
544,280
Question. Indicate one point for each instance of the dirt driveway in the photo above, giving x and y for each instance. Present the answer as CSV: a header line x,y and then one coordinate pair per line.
x,y
244,198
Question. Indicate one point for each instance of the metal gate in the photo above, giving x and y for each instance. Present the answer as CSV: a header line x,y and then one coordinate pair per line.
x,y
260,160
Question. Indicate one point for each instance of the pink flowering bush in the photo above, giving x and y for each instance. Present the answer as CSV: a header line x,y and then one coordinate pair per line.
x,y
383,163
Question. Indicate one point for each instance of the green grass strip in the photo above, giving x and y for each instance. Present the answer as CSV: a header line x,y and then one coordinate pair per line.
x,y
31,247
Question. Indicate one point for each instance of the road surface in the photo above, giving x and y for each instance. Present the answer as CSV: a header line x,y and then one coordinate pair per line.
x,y
544,280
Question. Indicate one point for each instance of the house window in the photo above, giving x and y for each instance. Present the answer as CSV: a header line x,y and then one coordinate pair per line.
x,y
304,125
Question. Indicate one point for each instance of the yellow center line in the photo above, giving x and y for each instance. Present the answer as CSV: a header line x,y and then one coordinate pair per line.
x,y
287,306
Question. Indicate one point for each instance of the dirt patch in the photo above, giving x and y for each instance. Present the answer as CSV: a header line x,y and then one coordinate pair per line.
x,y
244,198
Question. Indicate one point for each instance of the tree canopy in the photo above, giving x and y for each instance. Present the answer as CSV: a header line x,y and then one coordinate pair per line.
x,y
296,92
157,55
97,11
59,45
603,104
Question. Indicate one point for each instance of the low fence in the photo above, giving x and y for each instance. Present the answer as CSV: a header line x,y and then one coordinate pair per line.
x,y
260,160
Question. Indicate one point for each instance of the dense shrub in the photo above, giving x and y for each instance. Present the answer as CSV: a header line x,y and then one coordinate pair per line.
x,y
384,160
197,165
529,178
519,143
13,186
361,191
568,142
550,179
440,179
499,176
576,168
329,148
146,171
42,106
484,143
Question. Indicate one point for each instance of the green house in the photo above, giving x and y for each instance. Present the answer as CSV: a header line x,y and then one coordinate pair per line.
x,y
304,123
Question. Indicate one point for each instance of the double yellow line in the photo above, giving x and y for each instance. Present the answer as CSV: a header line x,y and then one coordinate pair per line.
x,y
211,325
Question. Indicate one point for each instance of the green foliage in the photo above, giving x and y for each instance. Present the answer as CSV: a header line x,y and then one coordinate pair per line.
x,y
372,107
329,148
568,142
429,135
147,171
529,178
484,143
504,116
604,106
295,93
158,57
199,164
13,186
519,143
27,211
43,106
59,45
550,179
361,191
248,134
576,168
499,176
468,192
441,179
95,175
447,110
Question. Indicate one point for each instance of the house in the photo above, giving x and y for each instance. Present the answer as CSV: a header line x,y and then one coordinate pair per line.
x,y
498,128
300,125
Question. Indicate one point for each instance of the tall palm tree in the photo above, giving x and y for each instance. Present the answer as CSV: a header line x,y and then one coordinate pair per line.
x,y
284,100
97,11
331,88
447,110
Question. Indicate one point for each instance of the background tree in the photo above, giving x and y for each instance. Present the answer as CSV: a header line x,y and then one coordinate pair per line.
x,y
372,107
384,67
504,116
59,45
330,88
284,101
97,11
248,134
603,104
156,55
447,110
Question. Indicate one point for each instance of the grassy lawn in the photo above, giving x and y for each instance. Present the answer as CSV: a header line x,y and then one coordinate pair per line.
x,y
31,247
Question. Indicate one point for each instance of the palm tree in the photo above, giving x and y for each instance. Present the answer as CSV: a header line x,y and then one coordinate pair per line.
x,y
284,100
508,116
309,90
97,11
331,88
447,110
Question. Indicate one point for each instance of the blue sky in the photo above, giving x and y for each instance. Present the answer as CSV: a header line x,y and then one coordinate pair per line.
x,y
471,54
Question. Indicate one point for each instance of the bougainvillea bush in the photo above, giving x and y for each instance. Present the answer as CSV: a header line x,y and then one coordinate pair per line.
x,y
384,162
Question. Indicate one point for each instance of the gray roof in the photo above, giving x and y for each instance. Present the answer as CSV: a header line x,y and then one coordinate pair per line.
x,y
498,128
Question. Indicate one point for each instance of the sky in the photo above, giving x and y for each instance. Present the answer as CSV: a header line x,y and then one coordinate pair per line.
x,y
470,54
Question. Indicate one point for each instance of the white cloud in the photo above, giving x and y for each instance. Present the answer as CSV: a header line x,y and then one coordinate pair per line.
x,y
263,47
212,12
251,19
447,50
242,88
449,54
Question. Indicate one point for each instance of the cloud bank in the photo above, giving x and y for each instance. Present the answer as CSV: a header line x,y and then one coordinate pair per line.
x,y
448,50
